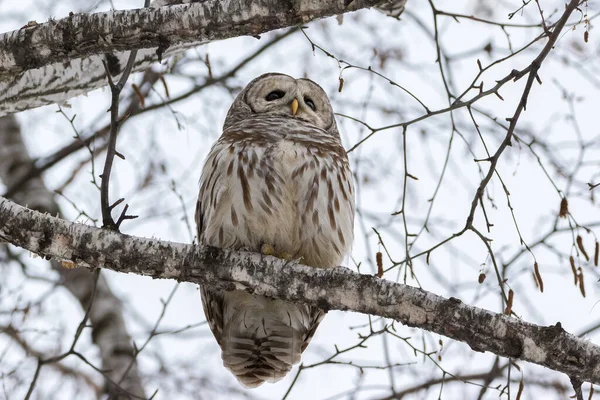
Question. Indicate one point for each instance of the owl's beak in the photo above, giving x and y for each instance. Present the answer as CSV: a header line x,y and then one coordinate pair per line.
x,y
294,106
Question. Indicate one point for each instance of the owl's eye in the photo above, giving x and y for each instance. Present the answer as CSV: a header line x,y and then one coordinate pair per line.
x,y
274,95
310,103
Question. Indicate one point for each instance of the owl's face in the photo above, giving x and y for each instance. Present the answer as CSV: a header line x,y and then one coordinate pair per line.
x,y
282,95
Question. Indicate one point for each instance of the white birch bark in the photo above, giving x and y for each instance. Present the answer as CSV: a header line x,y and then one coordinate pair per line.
x,y
334,289
56,60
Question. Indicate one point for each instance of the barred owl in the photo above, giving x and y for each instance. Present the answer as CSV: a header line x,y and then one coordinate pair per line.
x,y
278,182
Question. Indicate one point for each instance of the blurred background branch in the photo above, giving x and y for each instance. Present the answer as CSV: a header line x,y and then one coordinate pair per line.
x,y
107,323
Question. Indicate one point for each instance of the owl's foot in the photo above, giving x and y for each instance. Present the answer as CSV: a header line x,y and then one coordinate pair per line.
x,y
284,255
269,250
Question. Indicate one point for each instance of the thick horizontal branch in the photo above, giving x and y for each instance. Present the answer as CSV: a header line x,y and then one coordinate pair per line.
x,y
333,289
51,62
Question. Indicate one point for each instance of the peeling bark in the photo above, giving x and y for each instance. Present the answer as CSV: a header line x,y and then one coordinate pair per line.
x,y
109,332
54,61
333,289
57,83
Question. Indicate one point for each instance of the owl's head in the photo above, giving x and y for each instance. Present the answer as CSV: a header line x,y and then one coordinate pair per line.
x,y
282,95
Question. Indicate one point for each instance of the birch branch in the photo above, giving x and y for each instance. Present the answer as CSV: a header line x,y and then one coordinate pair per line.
x,y
108,328
51,62
333,289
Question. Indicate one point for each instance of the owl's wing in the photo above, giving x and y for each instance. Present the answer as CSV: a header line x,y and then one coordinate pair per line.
x,y
222,202
198,217
316,316
212,301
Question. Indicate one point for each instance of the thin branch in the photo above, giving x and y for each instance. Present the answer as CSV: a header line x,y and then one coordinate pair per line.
x,y
111,151
532,77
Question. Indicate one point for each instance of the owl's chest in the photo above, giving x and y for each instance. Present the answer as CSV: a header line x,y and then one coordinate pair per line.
x,y
285,156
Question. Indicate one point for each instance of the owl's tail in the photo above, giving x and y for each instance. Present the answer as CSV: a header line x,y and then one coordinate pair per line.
x,y
262,338
254,359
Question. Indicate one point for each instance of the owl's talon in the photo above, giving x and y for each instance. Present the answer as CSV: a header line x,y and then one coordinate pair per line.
x,y
268,250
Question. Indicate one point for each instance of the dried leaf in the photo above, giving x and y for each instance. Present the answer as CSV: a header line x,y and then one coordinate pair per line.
x,y
520,391
579,241
564,208
581,284
68,264
379,261
572,262
139,95
208,66
596,251
538,276
509,302
164,82
481,277
341,86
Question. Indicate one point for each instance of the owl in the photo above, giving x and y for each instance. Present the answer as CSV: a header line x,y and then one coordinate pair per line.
x,y
278,182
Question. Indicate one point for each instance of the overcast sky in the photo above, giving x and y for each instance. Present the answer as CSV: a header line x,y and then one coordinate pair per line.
x,y
178,139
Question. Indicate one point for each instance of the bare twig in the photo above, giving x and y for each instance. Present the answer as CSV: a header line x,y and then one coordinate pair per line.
x,y
115,90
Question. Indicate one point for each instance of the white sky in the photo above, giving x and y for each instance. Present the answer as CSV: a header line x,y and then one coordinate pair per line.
x,y
454,269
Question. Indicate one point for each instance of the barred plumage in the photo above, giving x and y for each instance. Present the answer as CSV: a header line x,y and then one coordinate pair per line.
x,y
277,176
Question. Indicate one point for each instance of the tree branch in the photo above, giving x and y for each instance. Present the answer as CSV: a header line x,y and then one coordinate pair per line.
x,y
108,328
33,59
532,70
330,289
111,151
